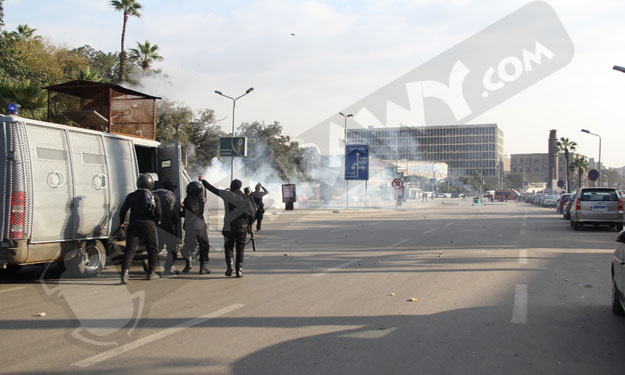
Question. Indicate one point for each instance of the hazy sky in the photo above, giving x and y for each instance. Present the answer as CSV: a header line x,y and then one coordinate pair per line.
x,y
344,50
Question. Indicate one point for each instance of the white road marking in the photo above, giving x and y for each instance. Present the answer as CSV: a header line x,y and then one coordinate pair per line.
x,y
398,243
428,231
523,256
329,270
450,223
519,308
13,289
153,337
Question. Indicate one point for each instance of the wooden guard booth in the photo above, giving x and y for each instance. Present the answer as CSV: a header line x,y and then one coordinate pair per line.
x,y
104,107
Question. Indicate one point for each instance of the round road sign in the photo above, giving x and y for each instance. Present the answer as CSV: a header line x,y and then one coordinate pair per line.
x,y
397,184
560,184
593,174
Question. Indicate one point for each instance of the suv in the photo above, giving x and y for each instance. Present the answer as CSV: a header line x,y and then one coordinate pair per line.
x,y
597,206
618,277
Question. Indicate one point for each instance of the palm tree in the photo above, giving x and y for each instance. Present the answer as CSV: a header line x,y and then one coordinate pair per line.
x,y
24,32
579,165
31,98
566,145
146,54
86,75
129,8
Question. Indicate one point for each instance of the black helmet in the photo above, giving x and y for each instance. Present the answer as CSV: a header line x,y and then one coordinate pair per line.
x,y
145,181
194,188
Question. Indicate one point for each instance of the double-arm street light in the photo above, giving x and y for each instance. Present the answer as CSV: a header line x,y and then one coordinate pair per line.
x,y
588,132
234,102
344,162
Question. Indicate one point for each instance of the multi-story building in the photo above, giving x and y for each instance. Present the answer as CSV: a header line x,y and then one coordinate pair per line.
x,y
539,166
466,149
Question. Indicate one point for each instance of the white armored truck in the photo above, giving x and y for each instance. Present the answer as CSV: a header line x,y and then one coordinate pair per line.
x,y
62,188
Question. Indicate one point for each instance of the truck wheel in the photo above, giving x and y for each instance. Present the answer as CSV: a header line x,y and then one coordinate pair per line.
x,y
617,308
87,262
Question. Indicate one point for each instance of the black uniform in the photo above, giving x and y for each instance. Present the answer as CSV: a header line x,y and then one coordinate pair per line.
x,y
169,227
195,228
238,209
258,195
145,212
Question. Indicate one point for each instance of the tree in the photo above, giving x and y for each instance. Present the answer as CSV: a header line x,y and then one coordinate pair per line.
x,y
107,64
579,166
197,132
268,147
85,74
145,54
25,32
566,145
31,98
129,8
1,16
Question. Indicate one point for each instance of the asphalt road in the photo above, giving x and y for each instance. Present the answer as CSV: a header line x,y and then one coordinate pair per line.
x,y
430,289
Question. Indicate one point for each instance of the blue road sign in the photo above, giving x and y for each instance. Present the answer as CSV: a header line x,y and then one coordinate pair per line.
x,y
356,162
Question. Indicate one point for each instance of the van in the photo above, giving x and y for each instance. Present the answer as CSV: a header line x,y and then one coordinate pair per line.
x,y
63,186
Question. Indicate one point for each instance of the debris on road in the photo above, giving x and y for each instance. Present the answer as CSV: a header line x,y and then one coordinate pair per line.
x,y
392,294
286,255
413,300
588,286
41,315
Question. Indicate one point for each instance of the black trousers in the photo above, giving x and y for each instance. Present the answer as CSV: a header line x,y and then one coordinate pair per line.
x,y
259,218
195,232
141,230
167,236
235,239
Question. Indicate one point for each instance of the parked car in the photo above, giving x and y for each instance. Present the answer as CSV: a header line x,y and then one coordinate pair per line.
x,y
618,276
597,206
550,201
564,198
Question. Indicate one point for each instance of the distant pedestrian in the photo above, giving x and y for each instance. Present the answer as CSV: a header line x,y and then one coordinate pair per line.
x,y
145,213
260,206
195,228
238,209
169,235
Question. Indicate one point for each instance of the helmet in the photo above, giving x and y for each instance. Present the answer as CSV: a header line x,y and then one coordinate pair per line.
x,y
145,181
194,188
247,191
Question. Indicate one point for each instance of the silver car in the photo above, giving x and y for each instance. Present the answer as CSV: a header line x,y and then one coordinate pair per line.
x,y
597,206
618,277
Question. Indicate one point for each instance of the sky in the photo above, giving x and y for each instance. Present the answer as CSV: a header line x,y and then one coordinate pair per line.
x,y
344,50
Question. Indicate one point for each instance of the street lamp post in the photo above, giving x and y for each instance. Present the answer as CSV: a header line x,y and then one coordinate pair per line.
x,y
587,131
345,160
234,103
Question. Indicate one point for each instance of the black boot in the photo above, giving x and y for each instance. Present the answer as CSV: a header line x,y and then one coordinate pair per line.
x,y
125,277
239,270
204,269
229,266
187,266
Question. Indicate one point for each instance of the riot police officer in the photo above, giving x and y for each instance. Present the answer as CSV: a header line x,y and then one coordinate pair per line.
x,y
238,209
169,228
145,213
196,230
260,206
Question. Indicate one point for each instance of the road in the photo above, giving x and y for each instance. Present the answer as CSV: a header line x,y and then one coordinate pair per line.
x,y
432,288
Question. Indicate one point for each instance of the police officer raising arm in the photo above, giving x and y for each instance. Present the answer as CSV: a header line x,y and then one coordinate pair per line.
x,y
145,213
258,200
238,209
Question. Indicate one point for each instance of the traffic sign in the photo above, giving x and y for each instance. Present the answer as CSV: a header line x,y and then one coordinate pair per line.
x,y
560,184
593,174
232,146
356,162
397,184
